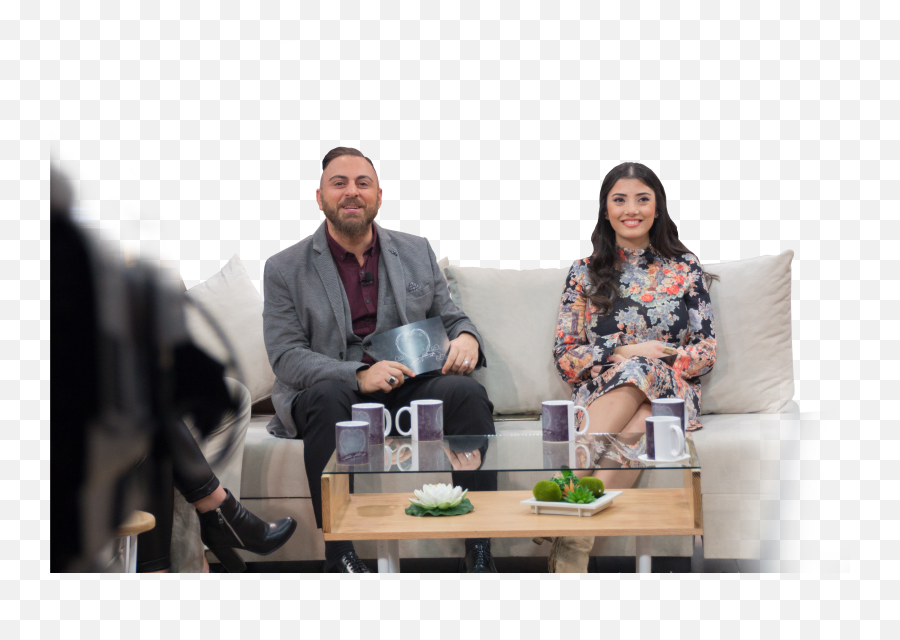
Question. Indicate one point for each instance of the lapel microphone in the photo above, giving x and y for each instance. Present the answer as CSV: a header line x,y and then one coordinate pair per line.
x,y
367,278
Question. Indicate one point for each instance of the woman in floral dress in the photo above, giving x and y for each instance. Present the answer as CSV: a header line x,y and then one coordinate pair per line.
x,y
640,297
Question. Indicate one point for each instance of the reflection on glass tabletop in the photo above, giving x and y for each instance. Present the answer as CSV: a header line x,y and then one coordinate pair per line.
x,y
514,452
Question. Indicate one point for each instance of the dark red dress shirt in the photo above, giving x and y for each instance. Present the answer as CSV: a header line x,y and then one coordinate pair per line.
x,y
363,298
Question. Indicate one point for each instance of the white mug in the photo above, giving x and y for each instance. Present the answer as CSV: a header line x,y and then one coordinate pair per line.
x,y
558,420
664,438
426,420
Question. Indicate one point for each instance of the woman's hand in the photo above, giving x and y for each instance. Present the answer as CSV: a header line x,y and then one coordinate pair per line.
x,y
615,358
650,349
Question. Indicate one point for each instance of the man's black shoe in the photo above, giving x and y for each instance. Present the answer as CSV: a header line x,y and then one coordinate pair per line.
x,y
347,563
479,558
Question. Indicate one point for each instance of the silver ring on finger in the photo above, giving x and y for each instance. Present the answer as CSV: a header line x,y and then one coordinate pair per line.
x,y
468,455
465,363
392,381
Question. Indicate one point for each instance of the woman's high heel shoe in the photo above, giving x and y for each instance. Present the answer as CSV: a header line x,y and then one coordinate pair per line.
x,y
230,526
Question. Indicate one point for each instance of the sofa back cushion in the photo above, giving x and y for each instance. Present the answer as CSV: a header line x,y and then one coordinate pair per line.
x,y
236,307
754,370
516,312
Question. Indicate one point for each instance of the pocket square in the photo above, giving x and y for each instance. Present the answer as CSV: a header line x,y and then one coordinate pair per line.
x,y
412,286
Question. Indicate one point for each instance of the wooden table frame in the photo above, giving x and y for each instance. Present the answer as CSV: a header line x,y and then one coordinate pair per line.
x,y
642,513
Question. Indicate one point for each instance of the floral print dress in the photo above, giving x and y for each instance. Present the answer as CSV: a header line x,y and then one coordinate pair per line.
x,y
660,299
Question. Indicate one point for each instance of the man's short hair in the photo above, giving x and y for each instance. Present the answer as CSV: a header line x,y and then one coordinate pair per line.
x,y
337,152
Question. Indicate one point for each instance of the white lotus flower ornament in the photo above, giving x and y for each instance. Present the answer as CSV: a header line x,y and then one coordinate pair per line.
x,y
439,496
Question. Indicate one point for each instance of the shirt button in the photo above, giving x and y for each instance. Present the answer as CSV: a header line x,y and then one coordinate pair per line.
x,y
367,302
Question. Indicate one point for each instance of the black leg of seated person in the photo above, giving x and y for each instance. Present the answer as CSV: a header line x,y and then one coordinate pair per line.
x,y
467,412
224,528
315,413
153,546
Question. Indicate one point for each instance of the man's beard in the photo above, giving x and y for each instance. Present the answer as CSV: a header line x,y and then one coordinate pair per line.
x,y
350,227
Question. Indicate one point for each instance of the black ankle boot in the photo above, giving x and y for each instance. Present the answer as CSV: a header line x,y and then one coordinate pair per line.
x,y
231,526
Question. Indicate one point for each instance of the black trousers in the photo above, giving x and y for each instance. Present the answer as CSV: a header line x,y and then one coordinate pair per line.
x,y
180,464
467,411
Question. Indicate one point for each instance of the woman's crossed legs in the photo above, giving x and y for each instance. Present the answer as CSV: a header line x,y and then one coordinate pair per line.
x,y
621,410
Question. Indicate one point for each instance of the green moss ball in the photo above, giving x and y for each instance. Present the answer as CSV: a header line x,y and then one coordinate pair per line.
x,y
594,484
547,491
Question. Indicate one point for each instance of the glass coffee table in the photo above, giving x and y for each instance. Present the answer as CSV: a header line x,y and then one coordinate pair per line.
x,y
642,513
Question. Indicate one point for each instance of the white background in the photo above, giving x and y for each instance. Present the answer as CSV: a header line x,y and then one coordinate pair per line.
x,y
196,131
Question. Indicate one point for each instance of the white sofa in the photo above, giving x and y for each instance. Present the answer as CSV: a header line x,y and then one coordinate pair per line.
x,y
745,398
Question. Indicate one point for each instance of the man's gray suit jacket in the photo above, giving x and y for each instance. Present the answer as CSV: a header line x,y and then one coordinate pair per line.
x,y
306,317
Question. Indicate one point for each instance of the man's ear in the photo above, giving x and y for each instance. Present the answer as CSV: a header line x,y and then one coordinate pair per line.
x,y
379,197
319,199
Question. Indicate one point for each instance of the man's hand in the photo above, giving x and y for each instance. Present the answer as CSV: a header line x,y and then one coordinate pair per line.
x,y
378,376
464,461
463,355
650,349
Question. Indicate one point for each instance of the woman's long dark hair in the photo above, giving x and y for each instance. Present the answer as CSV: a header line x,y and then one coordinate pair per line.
x,y
605,266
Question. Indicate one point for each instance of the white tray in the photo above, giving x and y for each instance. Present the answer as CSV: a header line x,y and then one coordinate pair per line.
x,y
570,508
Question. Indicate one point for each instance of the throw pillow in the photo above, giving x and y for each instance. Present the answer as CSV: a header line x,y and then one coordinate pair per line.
x,y
236,306
754,370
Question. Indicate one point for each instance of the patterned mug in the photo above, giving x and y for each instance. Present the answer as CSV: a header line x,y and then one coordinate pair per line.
x,y
558,420
426,420
675,407
377,417
352,442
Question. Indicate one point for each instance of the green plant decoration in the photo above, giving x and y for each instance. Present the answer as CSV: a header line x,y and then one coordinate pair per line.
x,y
595,485
568,488
579,495
547,491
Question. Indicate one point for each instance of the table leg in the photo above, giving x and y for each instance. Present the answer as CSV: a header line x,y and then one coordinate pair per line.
x,y
388,556
642,553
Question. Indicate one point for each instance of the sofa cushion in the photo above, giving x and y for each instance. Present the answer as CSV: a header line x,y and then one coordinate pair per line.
x,y
273,467
515,312
236,307
754,370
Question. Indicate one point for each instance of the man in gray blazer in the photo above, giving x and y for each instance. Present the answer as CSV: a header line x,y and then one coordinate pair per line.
x,y
326,297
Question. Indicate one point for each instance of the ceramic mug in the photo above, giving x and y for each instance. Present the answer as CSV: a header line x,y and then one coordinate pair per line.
x,y
675,407
426,419
351,439
664,438
558,420
377,417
